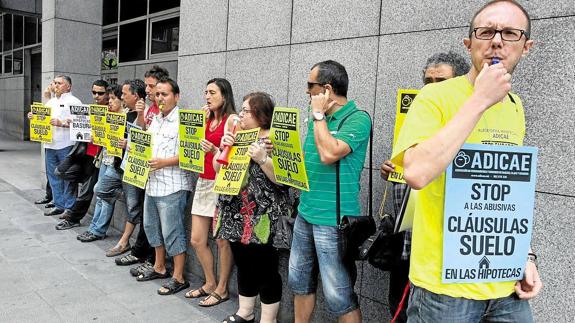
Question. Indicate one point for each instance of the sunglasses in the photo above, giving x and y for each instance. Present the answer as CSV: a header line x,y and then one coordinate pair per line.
x,y
98,93
311,84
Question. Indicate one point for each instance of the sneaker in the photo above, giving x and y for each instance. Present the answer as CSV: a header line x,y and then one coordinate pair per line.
x,y
67,224
89,237
127,260
82,235
138,270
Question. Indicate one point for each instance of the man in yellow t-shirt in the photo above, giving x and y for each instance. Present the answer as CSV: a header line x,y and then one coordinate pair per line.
x,y
475,108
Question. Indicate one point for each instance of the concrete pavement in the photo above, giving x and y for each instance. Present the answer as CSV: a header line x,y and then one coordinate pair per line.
x,y
49,276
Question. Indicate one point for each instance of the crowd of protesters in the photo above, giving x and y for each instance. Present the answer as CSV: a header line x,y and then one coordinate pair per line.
x,y
443,117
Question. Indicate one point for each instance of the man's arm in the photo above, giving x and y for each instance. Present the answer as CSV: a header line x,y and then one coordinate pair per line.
x,y
157,163
328,147
424,162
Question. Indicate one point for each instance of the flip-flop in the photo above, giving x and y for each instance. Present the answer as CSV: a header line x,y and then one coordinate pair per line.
x,y
151,275
191,293
218,298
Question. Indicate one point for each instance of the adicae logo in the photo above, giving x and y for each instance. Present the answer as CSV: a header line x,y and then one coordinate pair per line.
x,y
461,159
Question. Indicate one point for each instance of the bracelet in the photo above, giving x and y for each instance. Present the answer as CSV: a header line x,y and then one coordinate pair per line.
x,y
531,257
264,160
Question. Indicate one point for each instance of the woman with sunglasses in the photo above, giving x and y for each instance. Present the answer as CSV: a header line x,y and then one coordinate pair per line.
x,y
248,219
220,113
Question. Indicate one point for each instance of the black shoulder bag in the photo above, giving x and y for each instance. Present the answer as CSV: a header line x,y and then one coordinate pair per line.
x,y
354,230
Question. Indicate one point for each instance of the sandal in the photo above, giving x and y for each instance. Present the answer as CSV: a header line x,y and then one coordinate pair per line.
x,y
127,260
215,295
192,293
173,286
238,319
118,250
151,275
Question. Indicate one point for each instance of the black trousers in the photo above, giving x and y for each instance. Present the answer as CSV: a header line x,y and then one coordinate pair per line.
x,y
48,189
258,271
79,170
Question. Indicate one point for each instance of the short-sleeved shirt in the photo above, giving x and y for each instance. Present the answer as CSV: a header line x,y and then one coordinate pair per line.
x,y
434,106
61,110
318,205
165,144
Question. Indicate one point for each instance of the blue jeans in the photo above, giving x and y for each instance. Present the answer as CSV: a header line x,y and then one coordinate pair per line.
x,y
164,221
62,191
425,306
108,185
320,248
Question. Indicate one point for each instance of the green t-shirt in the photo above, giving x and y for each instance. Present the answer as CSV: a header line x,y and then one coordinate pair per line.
x,y
318,205
434,106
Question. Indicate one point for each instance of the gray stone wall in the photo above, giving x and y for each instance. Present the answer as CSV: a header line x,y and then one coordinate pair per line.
x,y
271,46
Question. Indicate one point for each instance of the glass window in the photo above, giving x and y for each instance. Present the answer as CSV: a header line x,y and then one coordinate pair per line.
x,y
110,54
39,31
110,12
165,35
30,30
133,41
18,61
7,32
18,31
1,40
160,5
132,9
8,64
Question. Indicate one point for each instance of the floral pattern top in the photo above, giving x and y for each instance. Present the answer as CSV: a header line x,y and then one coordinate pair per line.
x,y
251,216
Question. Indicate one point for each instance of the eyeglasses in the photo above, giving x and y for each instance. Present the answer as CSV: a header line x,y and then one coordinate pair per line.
x,y
508,34
98,93
244,110
311,84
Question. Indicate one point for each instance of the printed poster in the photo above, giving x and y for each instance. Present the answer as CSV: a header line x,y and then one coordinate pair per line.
x,y
137,163
98,124
230,177
289,166
404,99
115,128
488,216
192,131
80,128
40,127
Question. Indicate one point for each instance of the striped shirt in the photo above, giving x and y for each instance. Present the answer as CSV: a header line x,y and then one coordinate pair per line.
x,y
318,205
165,143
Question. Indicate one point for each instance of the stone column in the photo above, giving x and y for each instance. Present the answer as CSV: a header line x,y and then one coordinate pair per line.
x,y
72,43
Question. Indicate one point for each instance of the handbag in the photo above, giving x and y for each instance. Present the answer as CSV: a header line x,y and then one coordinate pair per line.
x,y
284,225
354,230
384,248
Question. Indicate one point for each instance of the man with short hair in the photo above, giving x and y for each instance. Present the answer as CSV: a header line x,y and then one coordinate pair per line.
x,y
167,193
142,251
338,134
439,67
476,108
78,167
61,145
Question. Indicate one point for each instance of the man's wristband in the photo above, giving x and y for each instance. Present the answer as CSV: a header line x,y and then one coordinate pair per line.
x,y
264,160
532,258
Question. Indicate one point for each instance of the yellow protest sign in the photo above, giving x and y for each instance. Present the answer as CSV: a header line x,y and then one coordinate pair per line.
x,y
404,99
192,131
289,166
140,152
98,123
40,128
115,128
230,177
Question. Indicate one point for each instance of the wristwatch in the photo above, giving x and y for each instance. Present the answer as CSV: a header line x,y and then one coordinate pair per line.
x,y
318,116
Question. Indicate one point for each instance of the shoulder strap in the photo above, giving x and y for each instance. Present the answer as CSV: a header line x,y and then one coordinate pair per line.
x,y
337,164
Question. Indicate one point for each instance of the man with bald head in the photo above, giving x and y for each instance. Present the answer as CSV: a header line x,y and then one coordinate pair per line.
x,y
476,108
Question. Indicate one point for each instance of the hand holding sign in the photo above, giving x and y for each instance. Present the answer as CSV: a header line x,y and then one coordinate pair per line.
x,y
386,168
140,106
492,84
531,284
257,153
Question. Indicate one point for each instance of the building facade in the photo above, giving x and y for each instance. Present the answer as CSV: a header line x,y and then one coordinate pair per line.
x,y
271,46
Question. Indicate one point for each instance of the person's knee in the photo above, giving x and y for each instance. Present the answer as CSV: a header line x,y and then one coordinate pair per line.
x,y
222,244
199,240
